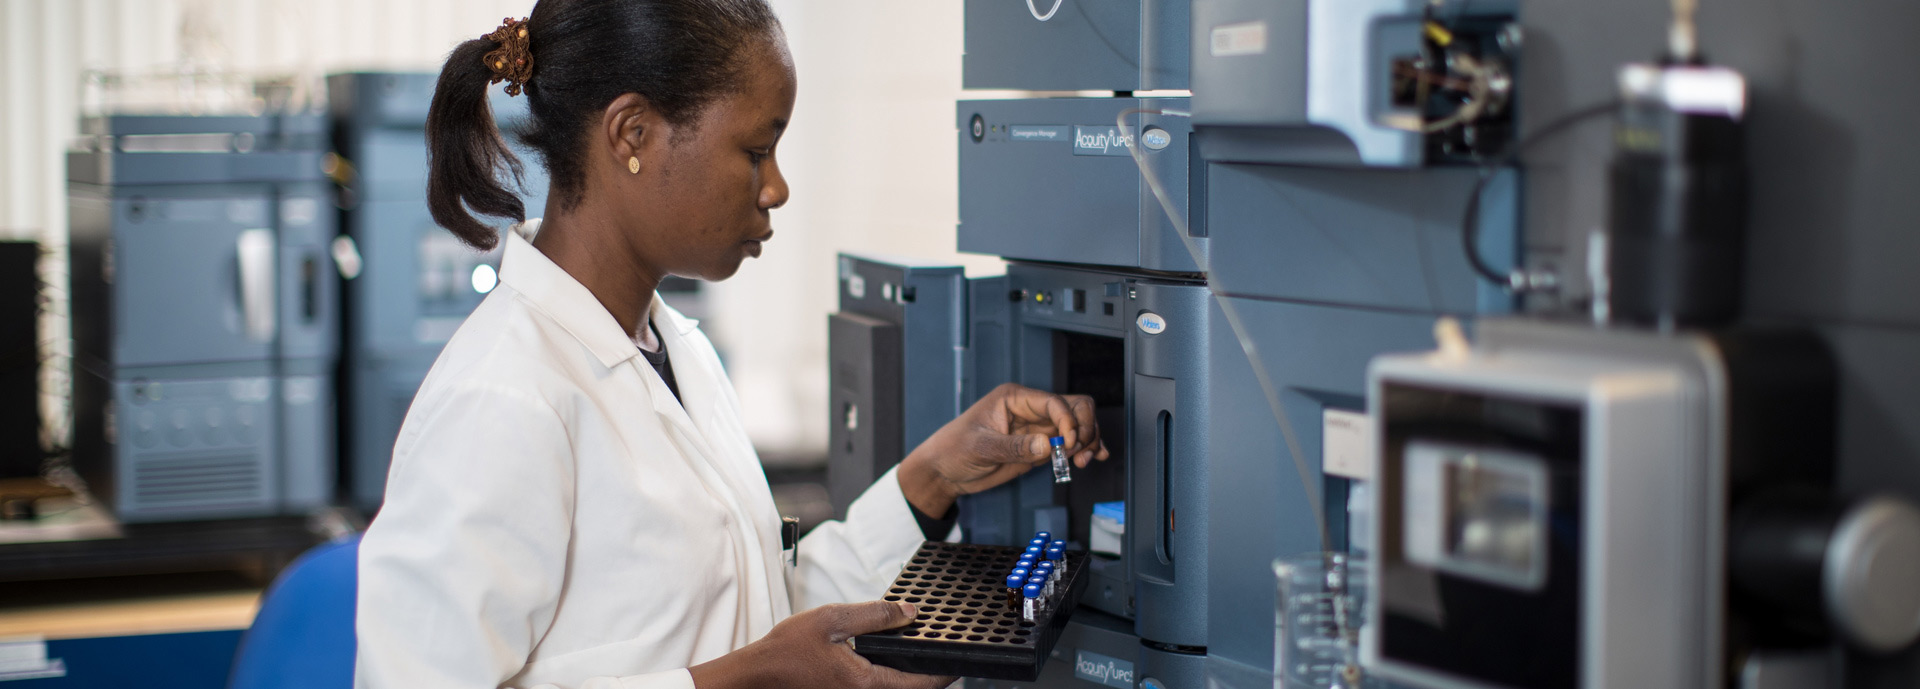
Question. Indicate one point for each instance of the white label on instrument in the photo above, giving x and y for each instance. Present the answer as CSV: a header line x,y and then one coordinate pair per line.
x,y
1346,444
1232,40
1151,323
856,286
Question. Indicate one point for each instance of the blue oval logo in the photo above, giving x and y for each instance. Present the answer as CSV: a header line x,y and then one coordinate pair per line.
x,y
1156,138
1151,323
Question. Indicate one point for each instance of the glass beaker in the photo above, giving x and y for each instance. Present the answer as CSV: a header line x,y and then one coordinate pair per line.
x,y
1317,620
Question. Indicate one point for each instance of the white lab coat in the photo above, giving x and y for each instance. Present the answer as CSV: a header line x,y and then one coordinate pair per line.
x,y
554,518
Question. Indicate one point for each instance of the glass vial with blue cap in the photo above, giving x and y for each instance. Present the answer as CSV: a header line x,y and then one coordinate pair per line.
x,y
1030,603
1062,469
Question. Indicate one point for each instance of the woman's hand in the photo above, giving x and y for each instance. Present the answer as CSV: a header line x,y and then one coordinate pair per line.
x,y
810,650
999,438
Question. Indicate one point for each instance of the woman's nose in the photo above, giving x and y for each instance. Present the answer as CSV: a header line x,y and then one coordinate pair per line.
x,y
774,193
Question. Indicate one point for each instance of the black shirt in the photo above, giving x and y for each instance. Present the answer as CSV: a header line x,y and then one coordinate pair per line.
x,y
661,364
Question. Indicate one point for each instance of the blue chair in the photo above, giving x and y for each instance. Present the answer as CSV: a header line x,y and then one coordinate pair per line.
x,y
303,636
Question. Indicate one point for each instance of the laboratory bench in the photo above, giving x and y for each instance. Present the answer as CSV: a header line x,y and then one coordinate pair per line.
x,y
65,538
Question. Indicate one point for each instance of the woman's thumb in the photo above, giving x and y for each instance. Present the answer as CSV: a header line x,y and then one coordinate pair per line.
x,y
875,616
1015,447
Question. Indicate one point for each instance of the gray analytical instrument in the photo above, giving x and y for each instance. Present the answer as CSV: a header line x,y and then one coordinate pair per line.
x,y
1554,506
1075,45
1136,344
1053,179
205,315
895,350
1566,506
1388,83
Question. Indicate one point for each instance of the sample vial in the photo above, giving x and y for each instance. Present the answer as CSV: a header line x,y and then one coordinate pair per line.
x,y
1015,582
1044,574
1039,541
1035,551
1030,603
1045,579
1056,554
1026,562
1062,469
1044,535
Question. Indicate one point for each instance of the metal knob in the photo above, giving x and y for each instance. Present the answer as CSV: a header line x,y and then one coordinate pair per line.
x,y
1871,574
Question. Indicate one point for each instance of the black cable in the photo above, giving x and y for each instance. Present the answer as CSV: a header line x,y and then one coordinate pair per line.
x,y
1470,224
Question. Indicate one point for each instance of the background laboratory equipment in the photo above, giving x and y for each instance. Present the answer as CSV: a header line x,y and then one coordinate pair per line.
x,y
1319,620
205,314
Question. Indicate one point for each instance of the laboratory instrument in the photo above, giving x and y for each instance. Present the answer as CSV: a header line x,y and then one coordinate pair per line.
x,y
1382,83
205,314
1075,45
1052,179
1564,505
895,372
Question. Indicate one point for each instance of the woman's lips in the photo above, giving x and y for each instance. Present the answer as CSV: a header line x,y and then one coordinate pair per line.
x,y
755,245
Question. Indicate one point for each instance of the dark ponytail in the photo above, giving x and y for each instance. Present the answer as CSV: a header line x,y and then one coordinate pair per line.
x,y
465,151
680,54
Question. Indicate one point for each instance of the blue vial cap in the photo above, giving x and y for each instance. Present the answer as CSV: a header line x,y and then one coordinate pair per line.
x,y
1039,541
1034,550
1031,591
1059,441
1048,565
1056,553
1015,581
1058,544
1043,535
1021,571
1040,577
1026,562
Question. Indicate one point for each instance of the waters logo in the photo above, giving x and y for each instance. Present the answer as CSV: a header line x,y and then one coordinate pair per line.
x,y
1102,141
1100,669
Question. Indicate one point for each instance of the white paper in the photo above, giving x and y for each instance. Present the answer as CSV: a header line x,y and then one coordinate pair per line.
x,y
1346,444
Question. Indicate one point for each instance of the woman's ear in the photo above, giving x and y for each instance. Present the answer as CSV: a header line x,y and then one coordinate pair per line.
x,y
632,130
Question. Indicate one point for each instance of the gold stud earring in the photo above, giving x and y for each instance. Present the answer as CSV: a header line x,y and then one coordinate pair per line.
x,y
633,164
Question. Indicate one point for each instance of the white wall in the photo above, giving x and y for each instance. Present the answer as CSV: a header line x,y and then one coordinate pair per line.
x,y
870,156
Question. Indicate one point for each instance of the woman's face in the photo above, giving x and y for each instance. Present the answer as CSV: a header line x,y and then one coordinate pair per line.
x,y
720,178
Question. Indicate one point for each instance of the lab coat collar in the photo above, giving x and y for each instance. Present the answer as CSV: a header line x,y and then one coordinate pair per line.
x,y
551,290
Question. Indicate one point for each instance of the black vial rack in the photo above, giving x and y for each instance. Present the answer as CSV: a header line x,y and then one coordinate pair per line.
x,y
967,627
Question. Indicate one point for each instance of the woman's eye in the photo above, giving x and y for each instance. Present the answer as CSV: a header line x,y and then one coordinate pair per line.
x,y
757,157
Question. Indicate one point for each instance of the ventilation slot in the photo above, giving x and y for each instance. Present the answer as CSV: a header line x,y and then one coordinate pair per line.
x,y
198,481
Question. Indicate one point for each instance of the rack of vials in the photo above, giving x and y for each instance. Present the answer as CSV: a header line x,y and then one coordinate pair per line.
x,y
985,611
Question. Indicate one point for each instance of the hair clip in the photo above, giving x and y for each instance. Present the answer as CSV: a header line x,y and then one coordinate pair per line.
x,y
512,62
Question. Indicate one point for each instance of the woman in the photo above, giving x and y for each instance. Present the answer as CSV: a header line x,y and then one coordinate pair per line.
x,y
573,501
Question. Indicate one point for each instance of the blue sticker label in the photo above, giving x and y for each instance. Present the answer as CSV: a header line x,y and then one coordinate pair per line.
x,y
1102,141
1156,138
1151,323
1037,132
1100,669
